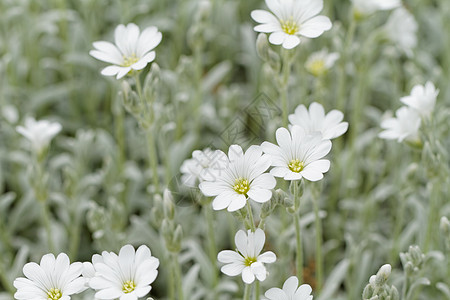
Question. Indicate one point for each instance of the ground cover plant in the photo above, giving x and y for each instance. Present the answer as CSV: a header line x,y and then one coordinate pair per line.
x,y
214,149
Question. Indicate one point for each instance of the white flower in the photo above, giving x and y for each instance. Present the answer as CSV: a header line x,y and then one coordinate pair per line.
x,y
52,279
320,62
243,178
126,276
39,133
422,98
247,259
367,7
204,165
404,127
132,49
290,19
401,29
290,291
315,120
298,154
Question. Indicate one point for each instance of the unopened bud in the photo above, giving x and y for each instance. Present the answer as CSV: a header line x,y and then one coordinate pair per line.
x,y
445,225
169,207
394,293
383,274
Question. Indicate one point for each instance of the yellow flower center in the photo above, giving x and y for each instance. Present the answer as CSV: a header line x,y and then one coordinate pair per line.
x,y
128,286
241,186
289,26
296,165
54,294
249,260
317,67
129,60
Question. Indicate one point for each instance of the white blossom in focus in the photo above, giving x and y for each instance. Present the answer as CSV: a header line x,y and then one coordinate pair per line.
x,y
132,49
247,260
290,19
126,276
422,98
243,178
405,126
290,291
401,29
204,165
298,155
53,279
315,120
39,133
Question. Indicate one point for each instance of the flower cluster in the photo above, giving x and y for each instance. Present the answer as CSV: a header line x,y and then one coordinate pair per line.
x,y
126,276
419,105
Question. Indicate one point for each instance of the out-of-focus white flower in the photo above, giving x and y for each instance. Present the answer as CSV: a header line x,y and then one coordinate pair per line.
x,y
247,259
298,154
53,279
126,276
10,113
315,120
320,62
290,291
405,126
290,19
243,178
422,98
132,49
401,29
204,165
39,133
367,7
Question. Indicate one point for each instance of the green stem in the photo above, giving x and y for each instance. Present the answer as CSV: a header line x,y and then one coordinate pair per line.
x,y
5,280
178,279
298,238
257,290
212,251
45,214
250,215
342,74
432,218
247,292
285,85
319,258
405,287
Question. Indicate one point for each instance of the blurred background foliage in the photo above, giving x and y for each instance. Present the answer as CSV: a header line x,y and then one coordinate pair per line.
x,y
375,199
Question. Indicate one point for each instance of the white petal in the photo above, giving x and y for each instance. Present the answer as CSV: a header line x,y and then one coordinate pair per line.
x,y
237,202
267,257
290,286
110,70
247,275
240,239
291,41
223,200
233,269
260,195
315,26
277,37
276,294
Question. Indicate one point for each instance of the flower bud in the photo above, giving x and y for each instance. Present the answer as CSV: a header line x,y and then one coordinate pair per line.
x,y
383,274
445,225
157,211
169,207
394,293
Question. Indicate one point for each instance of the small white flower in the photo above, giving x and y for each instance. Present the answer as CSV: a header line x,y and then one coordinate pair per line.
x,y
204,165
52,279
422,98
132,49
126,276
243,178
405,126
315,120
401,29
367,7
320,62
290,291
291,19
298,154
247,259
39,133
